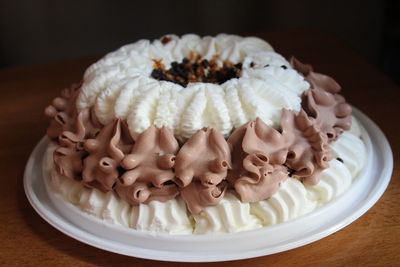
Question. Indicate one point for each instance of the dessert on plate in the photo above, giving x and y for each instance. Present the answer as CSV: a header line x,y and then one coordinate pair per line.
x,y
200,135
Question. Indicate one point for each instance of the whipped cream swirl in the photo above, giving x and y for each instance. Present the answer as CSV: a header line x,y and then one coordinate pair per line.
x,y
120,86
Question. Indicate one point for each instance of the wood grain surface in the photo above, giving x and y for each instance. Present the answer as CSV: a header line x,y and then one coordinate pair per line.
x,y
26,239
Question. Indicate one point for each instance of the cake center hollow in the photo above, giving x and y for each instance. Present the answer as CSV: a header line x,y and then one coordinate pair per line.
x,y
196,69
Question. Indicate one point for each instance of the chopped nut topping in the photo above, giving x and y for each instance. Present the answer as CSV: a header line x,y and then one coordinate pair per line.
x,y
196,70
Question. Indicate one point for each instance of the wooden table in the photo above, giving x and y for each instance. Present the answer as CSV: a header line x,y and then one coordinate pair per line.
x,y
26,239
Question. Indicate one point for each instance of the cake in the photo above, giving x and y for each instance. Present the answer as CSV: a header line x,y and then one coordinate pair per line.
x,y
201,135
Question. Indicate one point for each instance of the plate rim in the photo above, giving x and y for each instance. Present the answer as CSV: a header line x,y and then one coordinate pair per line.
x,y
72,230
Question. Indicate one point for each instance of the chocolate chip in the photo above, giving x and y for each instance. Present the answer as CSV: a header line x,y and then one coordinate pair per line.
x,y
173,72
156,73
165,40
284,67
205,63
340,159
252,64
185,61
239,65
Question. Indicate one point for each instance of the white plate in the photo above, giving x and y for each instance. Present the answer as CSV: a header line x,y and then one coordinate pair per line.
x,y
365,191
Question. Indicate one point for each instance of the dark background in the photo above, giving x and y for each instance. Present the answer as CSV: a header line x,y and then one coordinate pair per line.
x,y
41,31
